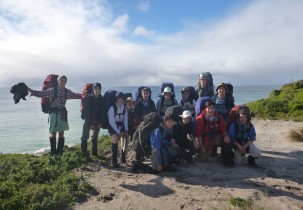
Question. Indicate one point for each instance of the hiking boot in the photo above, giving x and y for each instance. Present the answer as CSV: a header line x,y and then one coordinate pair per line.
x,y
52,141
123,159
214,152
114,156
84,146
60,145
94,147
251,161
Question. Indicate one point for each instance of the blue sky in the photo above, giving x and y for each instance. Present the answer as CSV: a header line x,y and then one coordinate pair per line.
x,y
129,42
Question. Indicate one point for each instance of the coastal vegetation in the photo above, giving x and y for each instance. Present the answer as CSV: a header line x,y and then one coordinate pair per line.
x,y
285,103
51,182
46,182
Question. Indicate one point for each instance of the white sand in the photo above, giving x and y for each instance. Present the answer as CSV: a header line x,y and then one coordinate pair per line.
x,y
279,185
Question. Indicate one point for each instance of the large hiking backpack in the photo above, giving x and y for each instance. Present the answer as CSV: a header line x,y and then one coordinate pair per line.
x,y
200,104
162,152
109,99
174,112
141,136
234,112
167,84
229,88
87,90
209,78
50,82
192,93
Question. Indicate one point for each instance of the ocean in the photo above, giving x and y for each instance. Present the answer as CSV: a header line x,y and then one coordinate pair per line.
x,y
24,127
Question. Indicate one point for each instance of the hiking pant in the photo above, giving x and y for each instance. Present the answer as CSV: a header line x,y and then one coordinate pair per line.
x,y
253,150
85,137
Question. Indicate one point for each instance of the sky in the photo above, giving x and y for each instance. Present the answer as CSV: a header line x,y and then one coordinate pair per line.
x,y
135,42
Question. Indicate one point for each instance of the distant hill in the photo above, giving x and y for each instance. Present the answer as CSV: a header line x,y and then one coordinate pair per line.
x,y
286,103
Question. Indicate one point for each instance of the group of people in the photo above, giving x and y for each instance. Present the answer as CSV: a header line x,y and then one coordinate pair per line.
x,y
199,130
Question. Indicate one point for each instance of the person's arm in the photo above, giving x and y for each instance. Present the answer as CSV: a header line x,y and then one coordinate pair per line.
x,y
153,109
72,95
125,119
158,106
87,110
49,93
176,102
102,111
223,129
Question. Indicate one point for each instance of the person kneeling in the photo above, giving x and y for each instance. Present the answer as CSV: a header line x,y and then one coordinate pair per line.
x,y
243,133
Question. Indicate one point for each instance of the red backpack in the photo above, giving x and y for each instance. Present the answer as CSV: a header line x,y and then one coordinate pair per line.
x,y
49,82
87,90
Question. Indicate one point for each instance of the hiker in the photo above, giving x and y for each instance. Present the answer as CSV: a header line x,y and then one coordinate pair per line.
x,y
166,100
144,106
211,131
57,113
223,102
187,102
181,130
243,134
205,85
129,104
164,153
118,126
94,118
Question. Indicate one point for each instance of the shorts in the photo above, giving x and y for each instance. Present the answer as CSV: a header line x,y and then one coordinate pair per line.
x,y
56,124
111,131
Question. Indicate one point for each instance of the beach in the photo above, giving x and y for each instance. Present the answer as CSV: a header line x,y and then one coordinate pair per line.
x,y
276,184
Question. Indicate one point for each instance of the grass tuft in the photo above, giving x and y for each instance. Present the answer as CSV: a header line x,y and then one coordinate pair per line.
x,y
296,135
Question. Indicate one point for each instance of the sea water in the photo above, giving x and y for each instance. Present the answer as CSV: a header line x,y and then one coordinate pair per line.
x,y
24,127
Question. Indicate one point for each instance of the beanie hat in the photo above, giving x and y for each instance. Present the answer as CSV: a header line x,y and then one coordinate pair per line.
x,y
97,84
221,85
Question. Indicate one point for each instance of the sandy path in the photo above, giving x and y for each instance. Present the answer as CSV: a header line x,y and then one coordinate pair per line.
x,y
279,185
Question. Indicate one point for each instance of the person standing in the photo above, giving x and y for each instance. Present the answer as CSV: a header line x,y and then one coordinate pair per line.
x,y
166,100
144,106
94,118
118,126
205,85
58,114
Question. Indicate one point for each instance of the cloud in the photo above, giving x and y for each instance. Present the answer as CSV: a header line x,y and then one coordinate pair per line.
x,y
142,31
259,43
144,6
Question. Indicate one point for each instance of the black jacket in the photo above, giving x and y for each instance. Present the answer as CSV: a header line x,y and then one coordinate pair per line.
x,y
94,110
20,91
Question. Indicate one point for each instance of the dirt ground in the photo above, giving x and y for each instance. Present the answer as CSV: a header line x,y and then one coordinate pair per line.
x,y
277,184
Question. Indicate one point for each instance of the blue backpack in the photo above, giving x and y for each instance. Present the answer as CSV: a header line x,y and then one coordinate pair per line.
x,y
138,94
200,104
164,85
162,151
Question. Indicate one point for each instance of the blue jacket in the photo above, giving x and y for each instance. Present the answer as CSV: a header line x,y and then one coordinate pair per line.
x,y
243,133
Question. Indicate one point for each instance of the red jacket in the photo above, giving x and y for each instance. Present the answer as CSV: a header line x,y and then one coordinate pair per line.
x,y
204,127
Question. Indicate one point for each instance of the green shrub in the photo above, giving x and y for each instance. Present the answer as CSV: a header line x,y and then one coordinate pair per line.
x,y
286,103
45,182
239,202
